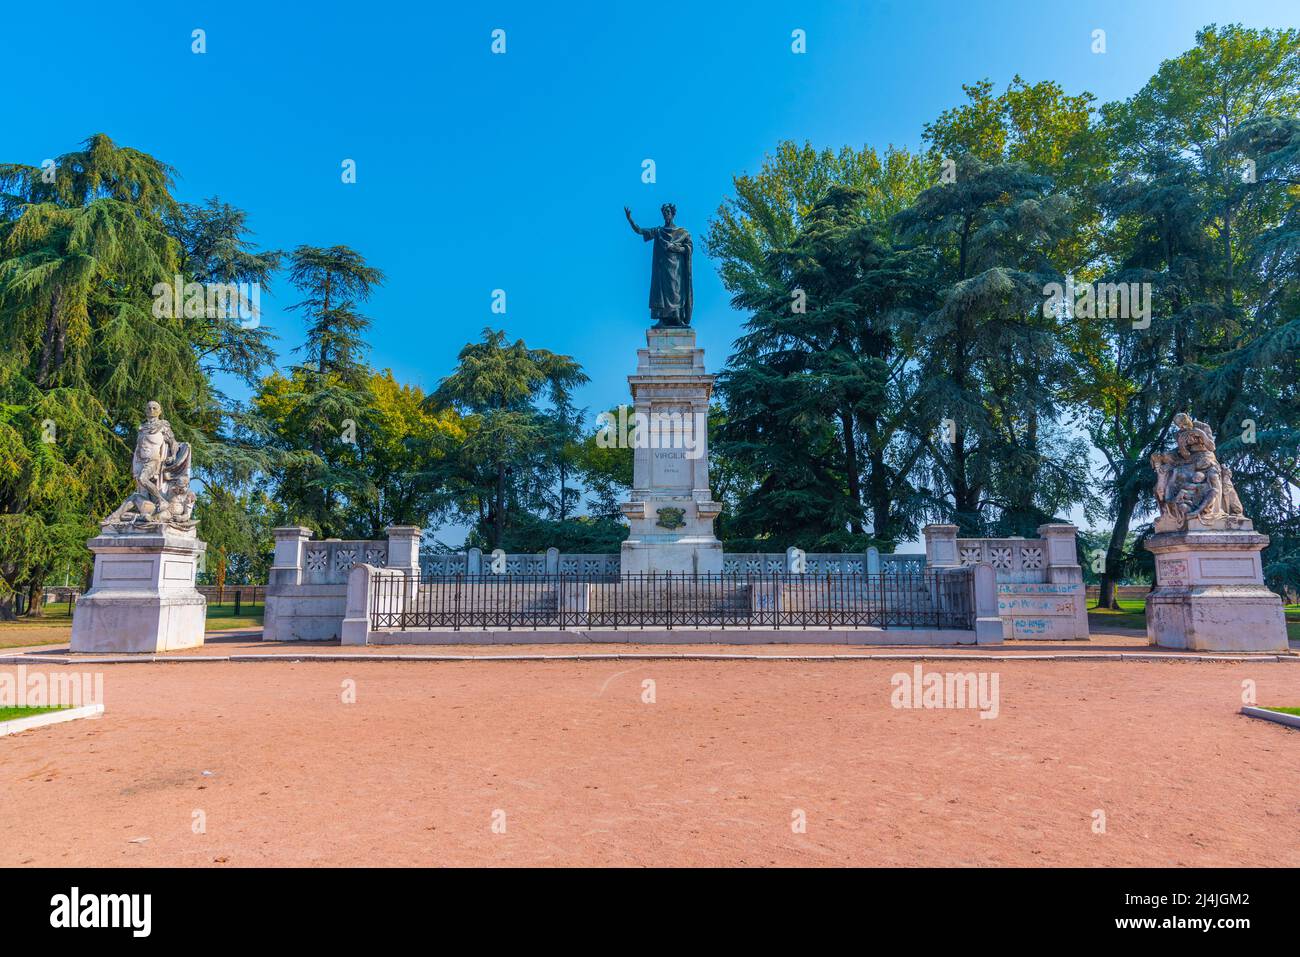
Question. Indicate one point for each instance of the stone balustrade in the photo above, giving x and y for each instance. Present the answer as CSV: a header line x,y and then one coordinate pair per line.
x,y
475,562
306,591
1039,580
870,562
1039,583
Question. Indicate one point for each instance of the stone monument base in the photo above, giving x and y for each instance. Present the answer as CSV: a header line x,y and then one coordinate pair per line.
x,y
142,598
1210,593
688,555
671,513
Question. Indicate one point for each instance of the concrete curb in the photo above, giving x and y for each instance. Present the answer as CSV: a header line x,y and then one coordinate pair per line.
x,y
1290,720
289,657
1181,656
50,717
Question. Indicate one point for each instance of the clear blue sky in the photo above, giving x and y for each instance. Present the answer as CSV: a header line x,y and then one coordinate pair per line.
x,y
479,171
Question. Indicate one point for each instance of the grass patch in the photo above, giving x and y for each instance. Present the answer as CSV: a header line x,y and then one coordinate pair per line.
x,y
222,617
1294,711
12,714
53,614
1130,614
55,626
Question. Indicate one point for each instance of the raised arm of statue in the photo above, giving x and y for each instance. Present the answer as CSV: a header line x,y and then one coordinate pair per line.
x,y
643,233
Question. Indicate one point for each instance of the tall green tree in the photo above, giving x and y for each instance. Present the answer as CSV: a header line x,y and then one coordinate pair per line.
x,y
498,386
321,404
818,388
216,250
989,361
806,248
83,243
1189,213
1269,467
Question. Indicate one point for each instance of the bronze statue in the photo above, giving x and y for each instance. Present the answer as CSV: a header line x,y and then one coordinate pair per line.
x,y
671,295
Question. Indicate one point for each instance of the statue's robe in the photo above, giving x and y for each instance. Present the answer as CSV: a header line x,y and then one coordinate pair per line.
x,y
671,296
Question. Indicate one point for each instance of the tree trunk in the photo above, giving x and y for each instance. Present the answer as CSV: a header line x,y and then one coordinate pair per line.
x,y
965,497
51,343
1107,596
499,520
882,501
852,471
564,510
36,599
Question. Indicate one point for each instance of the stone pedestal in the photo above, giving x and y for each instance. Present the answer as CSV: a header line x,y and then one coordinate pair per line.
x,y
307,595
940,545
1040,590
671,510
1210,593
142,597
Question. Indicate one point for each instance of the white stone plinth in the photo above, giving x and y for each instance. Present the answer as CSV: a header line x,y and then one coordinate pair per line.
x,y
142,598
690,555
671,510
1210,593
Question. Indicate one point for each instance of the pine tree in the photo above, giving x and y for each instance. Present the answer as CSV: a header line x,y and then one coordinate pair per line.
x,y
322,404
509,443
990,365
82,246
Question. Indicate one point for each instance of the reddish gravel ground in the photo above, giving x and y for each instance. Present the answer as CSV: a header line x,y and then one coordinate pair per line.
x,y
711,773
251,643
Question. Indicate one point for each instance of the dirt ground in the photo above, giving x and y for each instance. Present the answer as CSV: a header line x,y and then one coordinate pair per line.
x,y
249,642
566,763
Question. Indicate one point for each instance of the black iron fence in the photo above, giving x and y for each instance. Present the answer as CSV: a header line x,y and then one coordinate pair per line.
x,y
921,598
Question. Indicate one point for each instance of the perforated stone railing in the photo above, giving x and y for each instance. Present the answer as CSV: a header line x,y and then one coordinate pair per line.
x,y
450,564
331,561
1013,559
822,563
552,562
475,562
443,563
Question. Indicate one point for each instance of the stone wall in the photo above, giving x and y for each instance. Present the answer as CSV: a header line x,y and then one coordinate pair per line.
x,y
1039,580
306,591
1040,592
960,607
